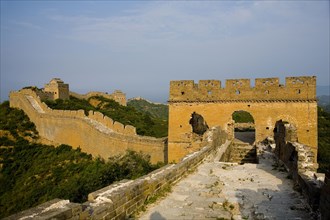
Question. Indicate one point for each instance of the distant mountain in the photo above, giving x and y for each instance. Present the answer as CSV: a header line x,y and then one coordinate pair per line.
x,y
156,110
138,98
323,97
322,90
324,102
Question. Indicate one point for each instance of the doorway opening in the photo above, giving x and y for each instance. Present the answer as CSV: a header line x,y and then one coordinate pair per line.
x,y
244,127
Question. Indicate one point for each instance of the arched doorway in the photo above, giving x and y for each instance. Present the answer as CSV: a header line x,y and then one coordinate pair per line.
x,y
244,127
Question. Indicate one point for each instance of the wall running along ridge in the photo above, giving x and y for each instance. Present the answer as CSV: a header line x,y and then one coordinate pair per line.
x,y
267,102
121,200
95,134
117,95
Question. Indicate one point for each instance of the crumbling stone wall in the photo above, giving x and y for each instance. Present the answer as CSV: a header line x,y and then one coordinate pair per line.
x,y
299,159
267,102
120,200
95,134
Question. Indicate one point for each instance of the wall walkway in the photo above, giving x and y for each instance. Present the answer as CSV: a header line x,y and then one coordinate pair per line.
x,y
219,190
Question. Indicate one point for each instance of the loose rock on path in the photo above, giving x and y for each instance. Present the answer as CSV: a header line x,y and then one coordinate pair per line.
x,y
219,190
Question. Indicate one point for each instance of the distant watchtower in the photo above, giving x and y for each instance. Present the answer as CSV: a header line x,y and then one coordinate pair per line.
x,y
57,88
119,97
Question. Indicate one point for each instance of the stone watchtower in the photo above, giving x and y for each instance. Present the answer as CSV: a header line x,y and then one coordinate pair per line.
x,y
267,102
58,89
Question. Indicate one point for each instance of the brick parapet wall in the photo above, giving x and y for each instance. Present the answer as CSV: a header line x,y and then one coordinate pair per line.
x,y
96,134
121,200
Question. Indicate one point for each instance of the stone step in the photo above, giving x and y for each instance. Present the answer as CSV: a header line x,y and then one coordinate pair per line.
x,y
243,153
243,161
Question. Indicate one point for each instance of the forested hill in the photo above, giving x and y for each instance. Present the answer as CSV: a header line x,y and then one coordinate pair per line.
x,y
323,157
33,173
146,123
154,109
324,102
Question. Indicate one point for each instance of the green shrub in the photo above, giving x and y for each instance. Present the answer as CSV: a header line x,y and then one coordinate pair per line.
x,y
242,117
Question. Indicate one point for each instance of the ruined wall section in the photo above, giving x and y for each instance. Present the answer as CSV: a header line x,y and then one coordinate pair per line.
x,y
267,102
96,134
299,161
117,95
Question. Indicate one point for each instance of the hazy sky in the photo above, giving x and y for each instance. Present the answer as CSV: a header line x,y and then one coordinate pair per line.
x,y
139,46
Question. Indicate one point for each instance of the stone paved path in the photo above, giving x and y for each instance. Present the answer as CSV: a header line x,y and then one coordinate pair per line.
x,y
219,190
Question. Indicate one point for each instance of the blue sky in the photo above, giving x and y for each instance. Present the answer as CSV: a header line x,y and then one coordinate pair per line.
x,y
139,46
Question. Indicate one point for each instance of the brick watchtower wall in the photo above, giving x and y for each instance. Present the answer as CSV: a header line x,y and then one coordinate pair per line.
x,y
57,88
268,102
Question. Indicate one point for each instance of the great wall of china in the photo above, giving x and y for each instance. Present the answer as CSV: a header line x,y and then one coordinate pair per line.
x,y
95,134
268,102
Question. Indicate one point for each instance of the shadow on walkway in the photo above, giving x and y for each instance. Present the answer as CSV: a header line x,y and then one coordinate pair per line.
x,y
284,202
156,216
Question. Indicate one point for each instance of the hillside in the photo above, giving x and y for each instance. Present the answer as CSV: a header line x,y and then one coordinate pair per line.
x,y
33,173
324,102
154,109
323,156
242,117
145,123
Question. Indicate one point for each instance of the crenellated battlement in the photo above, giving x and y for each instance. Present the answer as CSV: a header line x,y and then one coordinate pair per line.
x,y
266,89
